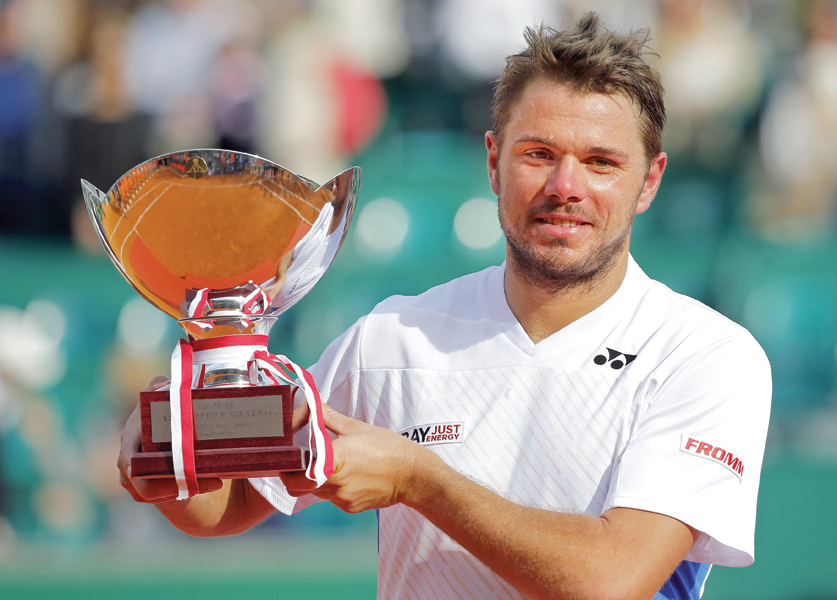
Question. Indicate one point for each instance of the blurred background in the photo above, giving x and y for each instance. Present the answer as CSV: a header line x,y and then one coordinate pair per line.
x,y
745,221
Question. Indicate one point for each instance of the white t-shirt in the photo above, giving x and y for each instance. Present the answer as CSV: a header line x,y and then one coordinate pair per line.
x,y
652,401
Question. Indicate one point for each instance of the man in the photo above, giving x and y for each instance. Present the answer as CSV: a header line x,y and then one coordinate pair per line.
x,y
557,427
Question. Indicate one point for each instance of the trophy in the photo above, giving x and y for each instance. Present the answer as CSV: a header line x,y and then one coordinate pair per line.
x,y
224,242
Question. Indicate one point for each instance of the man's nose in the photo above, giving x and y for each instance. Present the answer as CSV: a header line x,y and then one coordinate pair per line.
x,y
566,181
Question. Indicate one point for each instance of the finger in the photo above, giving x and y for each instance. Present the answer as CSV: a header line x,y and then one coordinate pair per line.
x,y
130,442
156,383
300,416
326,495
297,483
149,491
154,491
209,484
339,423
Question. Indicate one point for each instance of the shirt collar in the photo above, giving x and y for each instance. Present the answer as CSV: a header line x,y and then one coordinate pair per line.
x,y
594,324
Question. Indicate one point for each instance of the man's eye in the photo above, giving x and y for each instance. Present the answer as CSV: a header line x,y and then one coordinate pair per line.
x,y
601,163
538,154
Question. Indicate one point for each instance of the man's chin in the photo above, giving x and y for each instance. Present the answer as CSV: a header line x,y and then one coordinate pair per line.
x,y
561,266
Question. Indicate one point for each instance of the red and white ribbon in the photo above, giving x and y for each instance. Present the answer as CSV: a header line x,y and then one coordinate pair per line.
x,y
199,302
256,302
265,369
198,305
183,421
321,469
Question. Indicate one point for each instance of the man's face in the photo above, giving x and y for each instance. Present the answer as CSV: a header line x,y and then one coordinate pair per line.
x,y
570,176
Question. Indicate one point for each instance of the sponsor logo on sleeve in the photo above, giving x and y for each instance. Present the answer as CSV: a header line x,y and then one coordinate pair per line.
x,y
722,456
436,433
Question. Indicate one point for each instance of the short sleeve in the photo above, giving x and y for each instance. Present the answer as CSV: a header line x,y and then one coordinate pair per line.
x,y
696,452
331,373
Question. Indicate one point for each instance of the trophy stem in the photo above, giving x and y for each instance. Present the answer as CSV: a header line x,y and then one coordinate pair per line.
x,y
204,328
233,370
226,376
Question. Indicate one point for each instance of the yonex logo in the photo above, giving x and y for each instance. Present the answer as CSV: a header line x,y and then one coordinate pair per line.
x,y
616,359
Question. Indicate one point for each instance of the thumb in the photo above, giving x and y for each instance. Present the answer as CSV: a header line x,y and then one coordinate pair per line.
x,y
156,383
339,423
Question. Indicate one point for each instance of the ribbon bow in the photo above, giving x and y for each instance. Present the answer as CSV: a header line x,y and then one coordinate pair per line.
x,y
187,368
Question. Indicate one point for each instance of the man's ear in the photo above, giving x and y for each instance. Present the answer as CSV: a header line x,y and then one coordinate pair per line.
x,y
493,148
652,182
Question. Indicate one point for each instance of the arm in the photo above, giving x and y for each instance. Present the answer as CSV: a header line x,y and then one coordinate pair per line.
x,y
223,507
622,554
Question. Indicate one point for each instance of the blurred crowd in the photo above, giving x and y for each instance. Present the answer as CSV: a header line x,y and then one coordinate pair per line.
x,y
89,89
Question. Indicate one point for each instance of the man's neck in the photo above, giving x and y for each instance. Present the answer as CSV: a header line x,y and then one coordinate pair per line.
x,y
543,312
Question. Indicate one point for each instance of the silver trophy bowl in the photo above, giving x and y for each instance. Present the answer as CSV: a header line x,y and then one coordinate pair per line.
x,y
222,241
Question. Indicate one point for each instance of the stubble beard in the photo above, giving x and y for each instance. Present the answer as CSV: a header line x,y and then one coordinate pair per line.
x,y
550,271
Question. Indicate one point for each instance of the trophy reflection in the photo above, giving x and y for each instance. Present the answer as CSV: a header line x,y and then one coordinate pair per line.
x,y
224,242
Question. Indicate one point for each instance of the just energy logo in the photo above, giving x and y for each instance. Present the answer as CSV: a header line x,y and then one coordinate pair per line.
x,y
436,433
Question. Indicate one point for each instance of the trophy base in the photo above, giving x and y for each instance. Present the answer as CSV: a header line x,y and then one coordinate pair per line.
x,y
241,432
226,463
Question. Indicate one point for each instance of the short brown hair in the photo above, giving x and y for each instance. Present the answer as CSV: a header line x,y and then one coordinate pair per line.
x,y
592,59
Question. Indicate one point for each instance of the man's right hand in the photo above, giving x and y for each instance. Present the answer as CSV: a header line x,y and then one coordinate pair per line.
x,y
152,491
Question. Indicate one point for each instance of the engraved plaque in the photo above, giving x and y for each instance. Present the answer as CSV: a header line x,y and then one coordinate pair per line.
x,y
224,418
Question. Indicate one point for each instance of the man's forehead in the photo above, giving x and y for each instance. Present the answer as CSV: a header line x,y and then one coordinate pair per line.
x,y
545,99
552,95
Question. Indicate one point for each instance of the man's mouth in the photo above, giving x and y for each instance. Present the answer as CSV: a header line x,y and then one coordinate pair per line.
x,y
561,222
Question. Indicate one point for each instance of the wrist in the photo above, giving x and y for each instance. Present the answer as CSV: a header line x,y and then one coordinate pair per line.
x,y
422,477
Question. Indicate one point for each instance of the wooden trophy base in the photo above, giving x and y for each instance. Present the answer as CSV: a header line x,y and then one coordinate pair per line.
x,y
241,432
226,463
